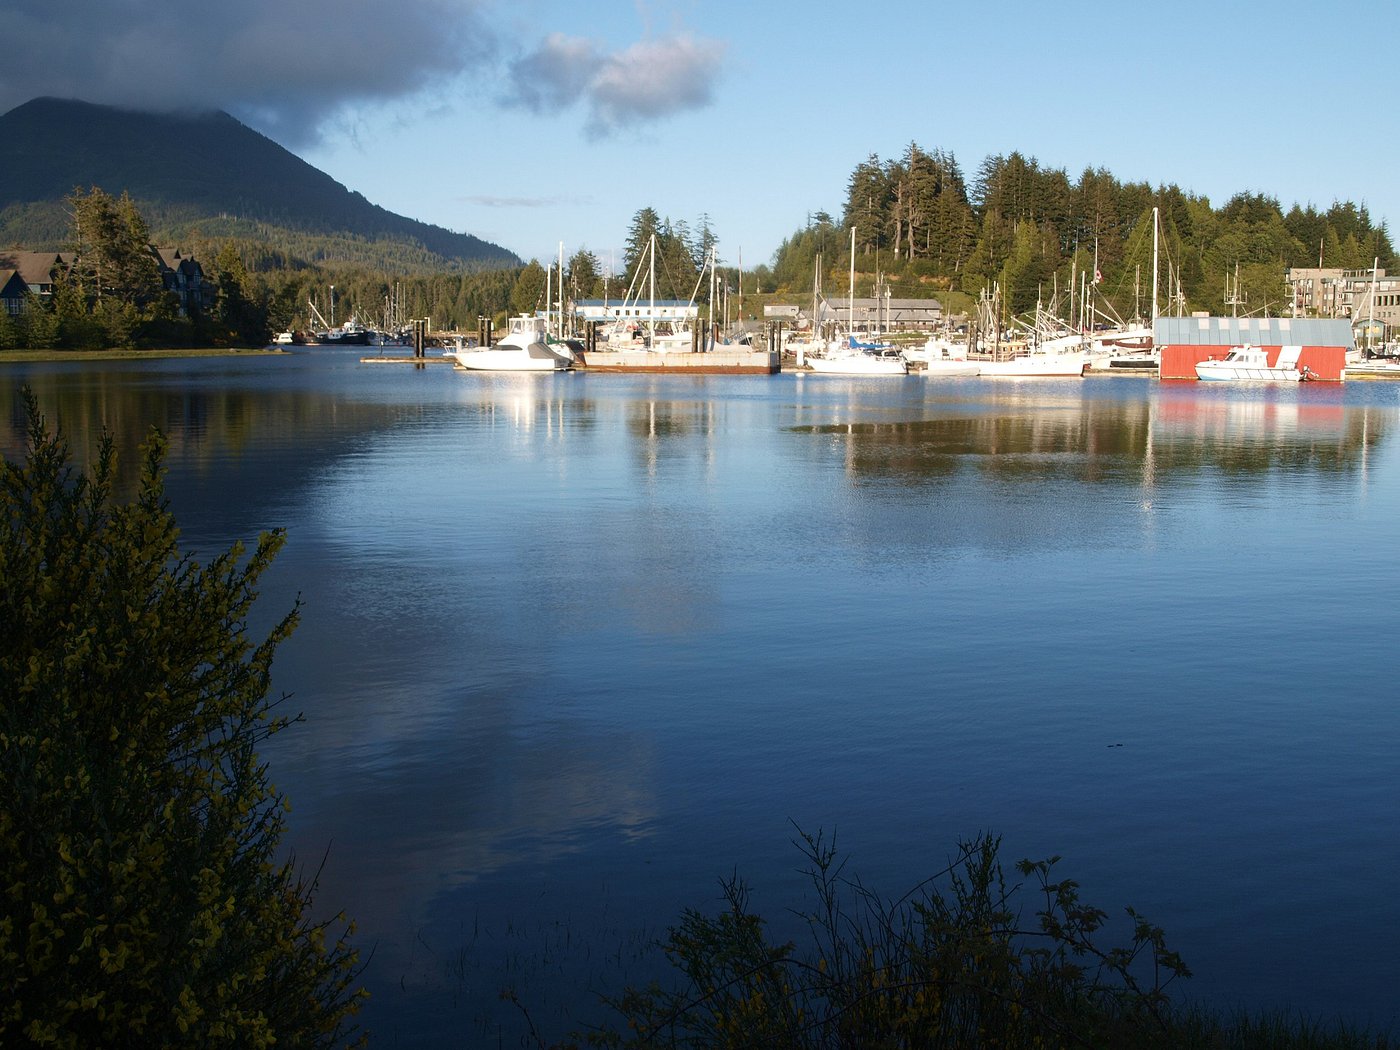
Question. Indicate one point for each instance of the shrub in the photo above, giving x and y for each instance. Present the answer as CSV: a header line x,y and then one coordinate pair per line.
x,y
141,899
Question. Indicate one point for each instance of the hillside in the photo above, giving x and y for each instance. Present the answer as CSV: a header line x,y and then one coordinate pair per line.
x,y
204,173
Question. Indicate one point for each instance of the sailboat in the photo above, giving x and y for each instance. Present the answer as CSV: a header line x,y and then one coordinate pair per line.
x,y
850,357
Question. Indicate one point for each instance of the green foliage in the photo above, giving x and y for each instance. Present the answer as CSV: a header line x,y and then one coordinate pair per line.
x,y
925,231
946,965
527,295
950,964
144,903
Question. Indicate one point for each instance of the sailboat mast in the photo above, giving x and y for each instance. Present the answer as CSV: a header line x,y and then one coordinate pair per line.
x,y
561,289
851,294
1154,268
651,287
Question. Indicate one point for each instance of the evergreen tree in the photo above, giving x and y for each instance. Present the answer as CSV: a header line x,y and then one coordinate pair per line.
x,y
527,296
146,901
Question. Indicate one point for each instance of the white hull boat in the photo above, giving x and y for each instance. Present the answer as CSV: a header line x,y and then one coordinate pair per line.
x,y
849,358
1037,365
943,358
1251,364
523,349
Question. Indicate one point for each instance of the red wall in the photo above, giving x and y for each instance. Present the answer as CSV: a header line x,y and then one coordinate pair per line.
x,y
1325,362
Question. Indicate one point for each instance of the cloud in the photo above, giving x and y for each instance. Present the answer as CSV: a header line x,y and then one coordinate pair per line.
x,y
297,69
284,66
646,82
489,201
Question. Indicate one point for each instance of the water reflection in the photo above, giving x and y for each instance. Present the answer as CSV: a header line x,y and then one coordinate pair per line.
x,y
572,636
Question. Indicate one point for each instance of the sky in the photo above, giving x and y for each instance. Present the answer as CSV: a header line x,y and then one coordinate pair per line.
x,y
536,123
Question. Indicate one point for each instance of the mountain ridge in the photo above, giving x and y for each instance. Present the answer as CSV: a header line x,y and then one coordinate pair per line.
x,y
197,170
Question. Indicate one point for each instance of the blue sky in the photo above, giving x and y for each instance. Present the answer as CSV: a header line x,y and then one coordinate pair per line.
x,y
534,122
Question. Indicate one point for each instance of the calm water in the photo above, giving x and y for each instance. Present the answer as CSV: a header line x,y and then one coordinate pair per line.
x,y
575,647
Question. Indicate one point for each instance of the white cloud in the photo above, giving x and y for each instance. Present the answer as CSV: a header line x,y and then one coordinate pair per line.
x,y
646,82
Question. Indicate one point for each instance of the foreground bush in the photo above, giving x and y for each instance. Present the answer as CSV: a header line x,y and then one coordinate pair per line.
x,y
949,965
141,902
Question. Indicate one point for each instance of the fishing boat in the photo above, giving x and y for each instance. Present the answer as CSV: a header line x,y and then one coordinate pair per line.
x,y
1251,364
523,349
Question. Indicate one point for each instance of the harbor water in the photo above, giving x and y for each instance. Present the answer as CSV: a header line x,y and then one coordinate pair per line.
x,y
575,648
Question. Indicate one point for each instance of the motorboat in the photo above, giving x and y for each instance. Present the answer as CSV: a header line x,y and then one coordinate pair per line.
x,y
849,357
525,348
1251,364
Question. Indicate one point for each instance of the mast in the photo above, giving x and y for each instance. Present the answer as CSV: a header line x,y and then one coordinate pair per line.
x,y
651,287
851,294
561,290
1154,269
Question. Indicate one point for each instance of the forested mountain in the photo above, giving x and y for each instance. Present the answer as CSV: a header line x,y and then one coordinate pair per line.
x,y
1034,231
205,176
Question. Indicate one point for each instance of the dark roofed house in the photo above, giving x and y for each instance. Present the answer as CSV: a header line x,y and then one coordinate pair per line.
x,y
36,269
183,275
12,291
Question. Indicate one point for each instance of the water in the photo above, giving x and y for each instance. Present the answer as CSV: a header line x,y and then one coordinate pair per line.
x,y
575,647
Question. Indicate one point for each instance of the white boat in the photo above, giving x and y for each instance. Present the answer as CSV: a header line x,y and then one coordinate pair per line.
x,y
941,357
849,358
1251,364
522,349
1037,365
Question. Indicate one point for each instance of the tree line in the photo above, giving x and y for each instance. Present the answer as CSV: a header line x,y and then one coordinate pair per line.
x,y
1032,231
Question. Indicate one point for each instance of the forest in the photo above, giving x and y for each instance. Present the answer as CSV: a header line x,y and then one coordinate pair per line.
x,y
922,229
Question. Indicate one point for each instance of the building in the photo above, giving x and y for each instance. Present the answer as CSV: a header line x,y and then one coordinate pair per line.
x,y
12,291
638,312
183,276
1358,295
1185,341
36,269
886,314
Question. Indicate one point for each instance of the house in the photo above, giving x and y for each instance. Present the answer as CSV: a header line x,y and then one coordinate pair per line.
x,y
12,291
35,269
184,276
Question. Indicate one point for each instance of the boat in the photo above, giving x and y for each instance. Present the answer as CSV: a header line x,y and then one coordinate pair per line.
x,y
1251,364
523,349
941,357
852,357
1037,365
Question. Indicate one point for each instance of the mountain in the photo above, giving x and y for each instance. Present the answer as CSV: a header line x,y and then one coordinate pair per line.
x,y
203,174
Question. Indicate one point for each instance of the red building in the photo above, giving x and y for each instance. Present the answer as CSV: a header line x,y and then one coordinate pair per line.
x,y
1185,341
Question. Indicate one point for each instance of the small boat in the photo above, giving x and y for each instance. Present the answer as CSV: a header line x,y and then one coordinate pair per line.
x,y
852,358
941,357
522,349
1251,364
1037,365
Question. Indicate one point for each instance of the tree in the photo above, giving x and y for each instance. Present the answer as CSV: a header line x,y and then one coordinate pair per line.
x,y
584,274
645,224
527,295
139,834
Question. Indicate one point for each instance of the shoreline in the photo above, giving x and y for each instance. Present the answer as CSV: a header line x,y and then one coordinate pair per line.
x,y
45,356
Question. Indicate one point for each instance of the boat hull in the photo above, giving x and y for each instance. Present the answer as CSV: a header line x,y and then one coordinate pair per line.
x,y
1039,366
512,359
1216,372
850,367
